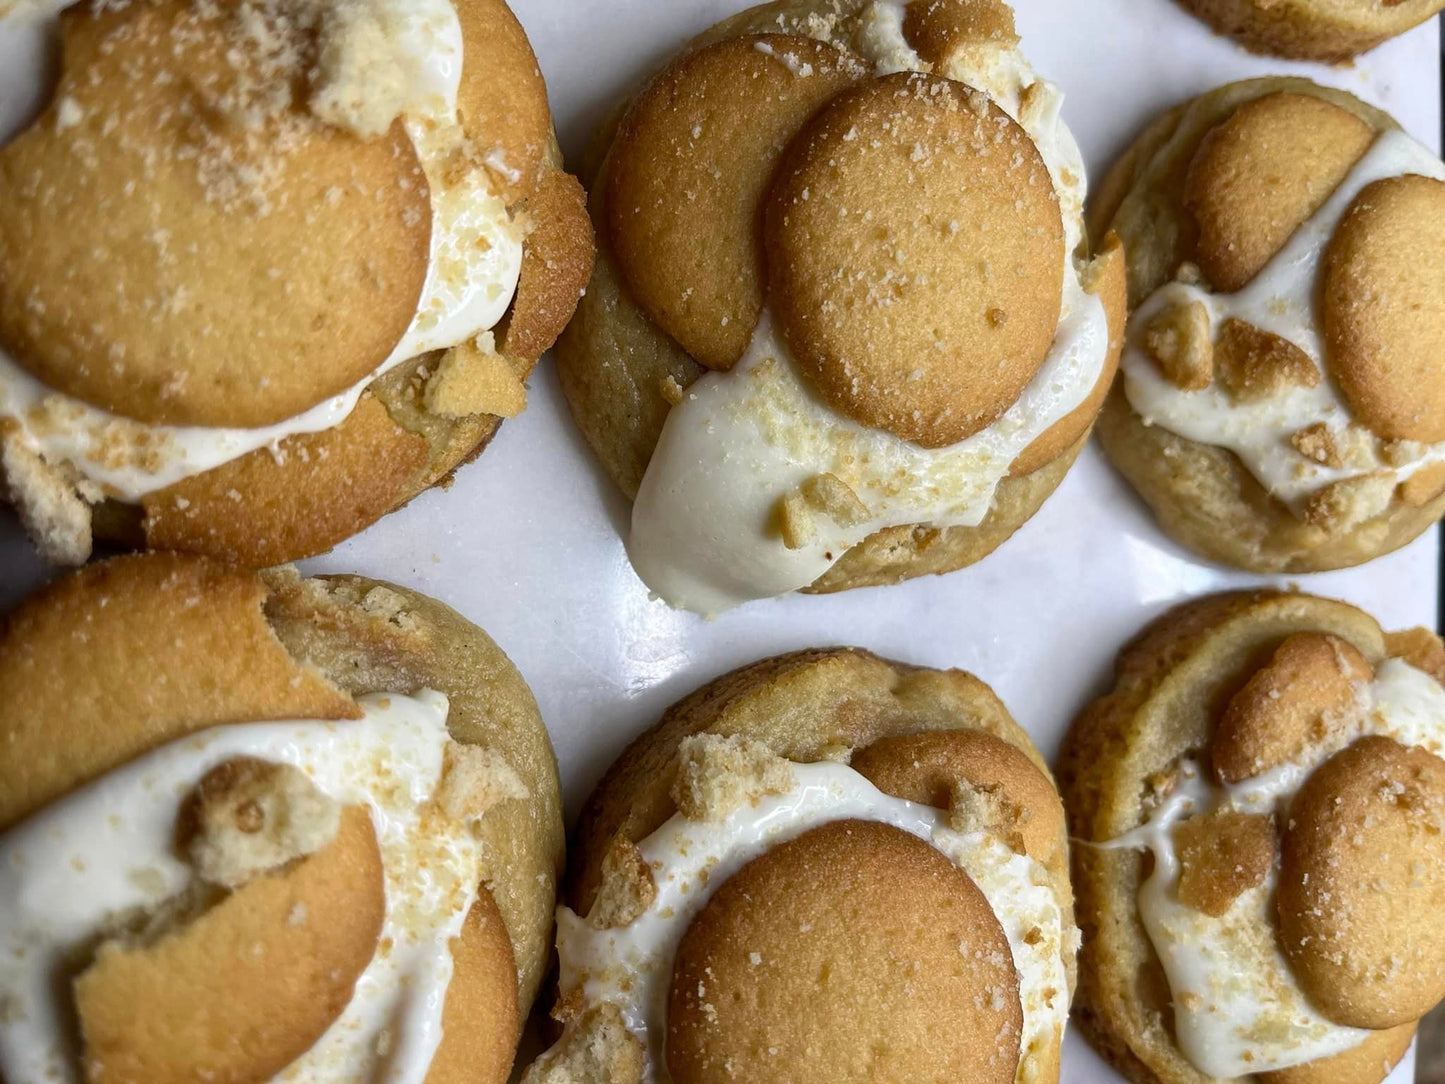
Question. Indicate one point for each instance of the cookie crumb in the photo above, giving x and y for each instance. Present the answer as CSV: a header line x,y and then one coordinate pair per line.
x,y
626,888
1178,340
1254,364
247,817
717,775
472,378
475,780
831,496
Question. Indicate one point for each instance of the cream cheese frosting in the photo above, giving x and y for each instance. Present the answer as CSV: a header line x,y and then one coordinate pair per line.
x,y
704,533
1282,299
631,967
1238,1009
379,59
107,848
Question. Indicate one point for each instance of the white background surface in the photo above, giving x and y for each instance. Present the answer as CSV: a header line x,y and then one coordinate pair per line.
x,y
527,543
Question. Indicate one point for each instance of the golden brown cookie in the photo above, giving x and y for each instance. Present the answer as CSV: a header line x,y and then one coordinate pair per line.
x,y
931,768
806,989
1383,314
940,29
686,174
326,235
148,1011
139,650
1311,679
876,199
1207,196
623,366
1327,30
308,491
905,968
1362,882
1122,759
1261,173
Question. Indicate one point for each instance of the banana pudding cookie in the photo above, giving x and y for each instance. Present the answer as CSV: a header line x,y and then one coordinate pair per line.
x,y
844,329
1258,809
1327,30
270,268
821,867
264,827
1281,406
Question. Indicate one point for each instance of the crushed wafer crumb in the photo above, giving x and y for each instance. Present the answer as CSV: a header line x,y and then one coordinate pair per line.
x,y
1178,340
626,888
795,521
595,1048
831,496
717,775
472,378
55,516
475,780
247,817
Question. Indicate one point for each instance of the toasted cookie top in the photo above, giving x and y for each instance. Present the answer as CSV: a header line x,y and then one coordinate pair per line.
x,y
1287,883
375,170
176,122
687,173
922,308
1299,332
675,918
876,203
346,860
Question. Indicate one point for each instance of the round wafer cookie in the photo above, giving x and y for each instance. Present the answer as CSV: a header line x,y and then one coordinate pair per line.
x,y
875,959
915,256
688,169
1383,306
1362,885
167,138
1261,173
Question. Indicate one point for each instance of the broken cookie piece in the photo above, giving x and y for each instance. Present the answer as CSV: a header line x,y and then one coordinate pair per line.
x,y
1178,340
717,775
247,817
1254,364
472,378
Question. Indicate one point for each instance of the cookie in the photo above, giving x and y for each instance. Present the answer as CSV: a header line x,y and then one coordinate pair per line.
x,y
1206,202
931,769
122,996
892,924
326,235
1261,173
307,911
1271,663
1312,29
942,29
1384,320
1362,872
706,804
1310,682
875,204
298,493
625,369
686,173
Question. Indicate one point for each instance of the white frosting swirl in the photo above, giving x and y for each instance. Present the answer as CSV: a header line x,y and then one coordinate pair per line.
x,y
703,529
108,847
